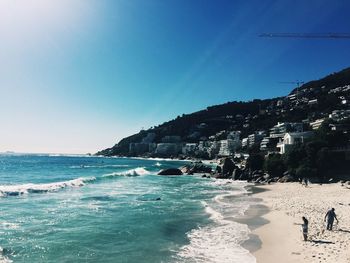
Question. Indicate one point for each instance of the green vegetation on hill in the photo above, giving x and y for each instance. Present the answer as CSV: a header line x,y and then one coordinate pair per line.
x,y
320,158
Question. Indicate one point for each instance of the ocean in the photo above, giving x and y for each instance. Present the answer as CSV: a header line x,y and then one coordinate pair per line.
x,y
96,209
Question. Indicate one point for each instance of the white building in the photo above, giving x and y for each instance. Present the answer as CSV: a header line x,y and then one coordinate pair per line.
x,y
279,130
339,115
312,102
245,142
189,148
228,147
168,149
316,124
255,137
290,139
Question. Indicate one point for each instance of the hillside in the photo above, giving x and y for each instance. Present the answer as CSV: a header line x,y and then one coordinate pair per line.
x,y
313,100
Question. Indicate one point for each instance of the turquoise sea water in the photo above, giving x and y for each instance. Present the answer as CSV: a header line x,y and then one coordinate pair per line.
x,y
92,209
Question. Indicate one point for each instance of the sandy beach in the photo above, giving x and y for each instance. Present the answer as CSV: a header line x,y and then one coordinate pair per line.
x,y
281,237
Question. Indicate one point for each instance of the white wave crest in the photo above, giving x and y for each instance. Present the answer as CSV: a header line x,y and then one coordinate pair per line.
x,y
220,241
8,225
4,259
132,172
14,190
217,244
98,166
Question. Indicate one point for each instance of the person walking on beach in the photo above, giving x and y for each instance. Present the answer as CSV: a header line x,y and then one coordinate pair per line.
x,y
330,218
305,227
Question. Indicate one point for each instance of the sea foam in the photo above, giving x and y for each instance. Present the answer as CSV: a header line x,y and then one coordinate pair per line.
x,y
15,190
3,258
98,166
132,172
221,240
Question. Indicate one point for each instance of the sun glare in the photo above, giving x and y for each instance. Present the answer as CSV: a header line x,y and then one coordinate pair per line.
x,y
32,19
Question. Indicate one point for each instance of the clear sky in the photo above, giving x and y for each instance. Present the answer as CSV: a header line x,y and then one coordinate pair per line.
x,y
76,76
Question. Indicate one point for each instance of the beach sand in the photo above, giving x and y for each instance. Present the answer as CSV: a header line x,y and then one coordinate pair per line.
x,y
281,239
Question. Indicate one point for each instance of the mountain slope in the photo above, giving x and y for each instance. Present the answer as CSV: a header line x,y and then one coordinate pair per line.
x,y
313,100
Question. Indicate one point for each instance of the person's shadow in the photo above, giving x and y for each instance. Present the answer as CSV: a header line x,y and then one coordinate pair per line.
x,y
343,230
322,242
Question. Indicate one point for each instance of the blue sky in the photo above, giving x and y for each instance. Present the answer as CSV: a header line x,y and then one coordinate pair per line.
x,y
76,76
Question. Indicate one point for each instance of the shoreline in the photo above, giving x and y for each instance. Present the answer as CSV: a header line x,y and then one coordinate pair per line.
x,y
254,218
280,206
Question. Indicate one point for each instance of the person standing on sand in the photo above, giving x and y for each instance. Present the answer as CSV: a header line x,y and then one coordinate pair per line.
x,y
330,218
305,227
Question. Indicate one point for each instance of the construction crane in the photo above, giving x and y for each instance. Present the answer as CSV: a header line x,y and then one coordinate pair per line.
x,y
297,82
307,35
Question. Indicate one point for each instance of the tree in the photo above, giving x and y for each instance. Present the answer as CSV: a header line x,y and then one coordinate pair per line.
x,y
305,171
323,162
274,165
294,157
255,162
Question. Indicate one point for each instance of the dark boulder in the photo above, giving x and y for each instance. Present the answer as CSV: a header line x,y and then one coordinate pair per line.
x,y
228,168
170,171
286,173
244,176
286,179
267,176
197,167
200,168
260,179
236,173
257,173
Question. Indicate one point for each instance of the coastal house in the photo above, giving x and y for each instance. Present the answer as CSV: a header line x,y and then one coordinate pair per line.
x,y
292,96
189,148
316,124
264,143
255,138
279,103
281,128
268,144
345,128
228,147
213,149
312,102
224,148
338,115
168,149
292,138
245,142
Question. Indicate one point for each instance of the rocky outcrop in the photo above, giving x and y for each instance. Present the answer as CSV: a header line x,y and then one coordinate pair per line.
x,y
236,173
197,167
170,171
228,168
286,179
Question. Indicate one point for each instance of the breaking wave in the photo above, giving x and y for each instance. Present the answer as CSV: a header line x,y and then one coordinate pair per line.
x,y
132,172
21,189
221,240
3,258
98,166
15,190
